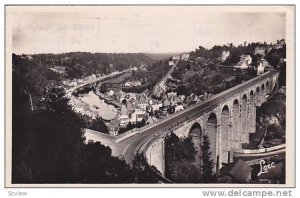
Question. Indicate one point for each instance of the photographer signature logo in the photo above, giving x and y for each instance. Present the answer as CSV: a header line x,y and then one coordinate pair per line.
x,y
265,167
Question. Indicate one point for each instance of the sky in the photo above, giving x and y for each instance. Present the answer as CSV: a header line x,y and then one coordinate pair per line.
x,y
151,29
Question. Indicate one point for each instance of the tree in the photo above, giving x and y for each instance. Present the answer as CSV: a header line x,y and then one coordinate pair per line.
x,y
58,147
52,148
98,124
55,100
141,123
142,171
282,74
207,162
102,167
179,159
182,90
170,147
171,109
256,59
188,67
103,88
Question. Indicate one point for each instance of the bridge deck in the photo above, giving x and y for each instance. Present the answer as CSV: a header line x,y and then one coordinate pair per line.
x,y
148,132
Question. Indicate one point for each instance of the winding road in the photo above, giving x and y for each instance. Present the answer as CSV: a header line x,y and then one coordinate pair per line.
x,y
129,146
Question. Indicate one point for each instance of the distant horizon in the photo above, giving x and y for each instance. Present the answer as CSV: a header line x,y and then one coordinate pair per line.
x,y
103,52
179,52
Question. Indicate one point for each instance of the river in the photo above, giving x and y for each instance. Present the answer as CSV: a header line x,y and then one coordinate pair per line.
x,y
92,105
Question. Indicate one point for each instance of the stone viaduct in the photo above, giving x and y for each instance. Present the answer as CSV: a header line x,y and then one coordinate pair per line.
x,y
227,123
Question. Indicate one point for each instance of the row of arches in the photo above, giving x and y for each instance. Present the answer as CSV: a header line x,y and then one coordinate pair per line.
x,y
264,89
234,126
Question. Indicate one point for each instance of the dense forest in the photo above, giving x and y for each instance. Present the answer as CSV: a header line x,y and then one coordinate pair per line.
x,y
81,64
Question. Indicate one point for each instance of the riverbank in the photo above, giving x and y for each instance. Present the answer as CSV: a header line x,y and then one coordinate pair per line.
x,y
91,105
108,99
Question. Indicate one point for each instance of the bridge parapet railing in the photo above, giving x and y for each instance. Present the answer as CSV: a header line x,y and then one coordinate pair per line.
x,y
104,136
189,117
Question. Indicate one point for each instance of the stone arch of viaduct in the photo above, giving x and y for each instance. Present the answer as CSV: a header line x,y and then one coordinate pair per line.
x,y
229,124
